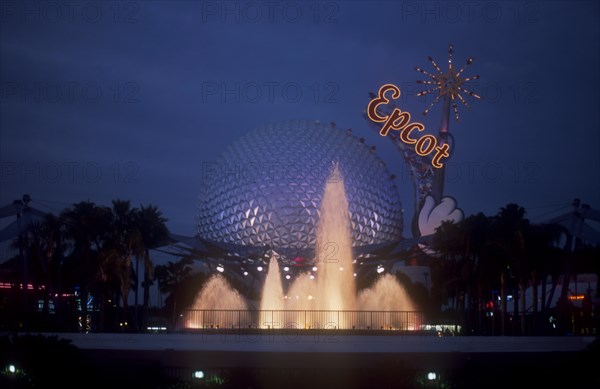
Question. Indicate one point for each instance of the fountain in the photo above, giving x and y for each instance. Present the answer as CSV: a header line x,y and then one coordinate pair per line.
x,y
335,283
326,300
215,295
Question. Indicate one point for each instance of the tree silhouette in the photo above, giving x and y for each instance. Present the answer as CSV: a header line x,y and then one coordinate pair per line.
x,y
154,233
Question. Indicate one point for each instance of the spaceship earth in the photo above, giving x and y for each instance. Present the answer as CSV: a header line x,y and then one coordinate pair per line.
x,y
265,189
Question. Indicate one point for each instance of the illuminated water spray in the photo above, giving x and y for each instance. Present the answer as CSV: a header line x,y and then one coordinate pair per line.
x,y
335,281
315,298
272,296
333,288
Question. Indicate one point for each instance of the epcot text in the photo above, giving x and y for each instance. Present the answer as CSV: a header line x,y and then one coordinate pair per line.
x,y
400,121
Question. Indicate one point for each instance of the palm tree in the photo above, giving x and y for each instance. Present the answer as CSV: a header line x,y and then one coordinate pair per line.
x,y
87,227
45,252
127,242
463,247
445,270
475,235
169,279
153,233
510,226
546,259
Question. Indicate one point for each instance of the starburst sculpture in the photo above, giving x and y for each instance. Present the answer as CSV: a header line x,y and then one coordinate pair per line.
x,y
449,85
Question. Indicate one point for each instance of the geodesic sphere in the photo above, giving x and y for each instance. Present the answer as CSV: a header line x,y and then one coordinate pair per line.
x,y
266,188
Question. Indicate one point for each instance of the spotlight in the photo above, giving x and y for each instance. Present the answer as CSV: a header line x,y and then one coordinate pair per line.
x,y
220,268
431,376
314,268
286,269
380,269
287,277
199,374
260,268
11,368
245,273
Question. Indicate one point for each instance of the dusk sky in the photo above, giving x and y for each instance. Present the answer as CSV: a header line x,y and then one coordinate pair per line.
x,y
103,100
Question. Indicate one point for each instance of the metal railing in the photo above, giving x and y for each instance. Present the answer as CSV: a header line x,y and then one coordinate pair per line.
x,y
193,319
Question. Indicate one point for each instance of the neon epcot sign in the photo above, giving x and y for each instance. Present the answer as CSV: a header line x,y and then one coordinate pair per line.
x,y
400,121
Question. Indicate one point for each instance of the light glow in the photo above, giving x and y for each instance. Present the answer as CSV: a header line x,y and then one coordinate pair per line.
x,y
448,85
